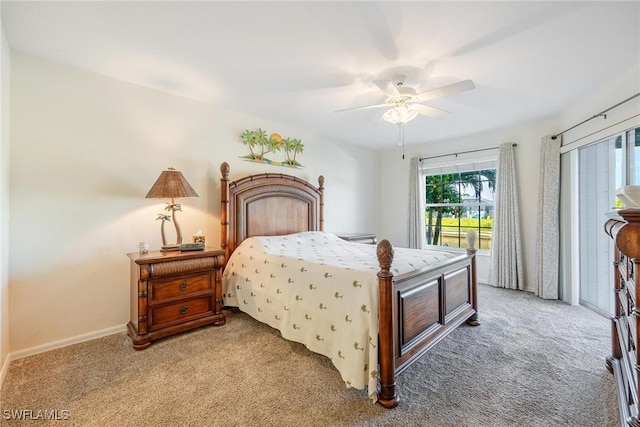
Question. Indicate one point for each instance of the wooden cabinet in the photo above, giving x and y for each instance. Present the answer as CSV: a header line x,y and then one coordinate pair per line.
x,y
624,228
359,237
172,292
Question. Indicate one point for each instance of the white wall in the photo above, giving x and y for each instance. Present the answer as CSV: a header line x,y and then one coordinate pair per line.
x,y
5,66
610,93
85,149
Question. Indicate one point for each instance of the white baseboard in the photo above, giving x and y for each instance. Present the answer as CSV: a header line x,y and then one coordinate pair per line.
x,y
65,342
5,369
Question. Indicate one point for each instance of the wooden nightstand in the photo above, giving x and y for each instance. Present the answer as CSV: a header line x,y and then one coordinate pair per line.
x,y
172,292
369,238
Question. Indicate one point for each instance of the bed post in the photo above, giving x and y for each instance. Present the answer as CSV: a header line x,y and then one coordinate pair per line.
x,y
473,320
387,396
224,209
321,207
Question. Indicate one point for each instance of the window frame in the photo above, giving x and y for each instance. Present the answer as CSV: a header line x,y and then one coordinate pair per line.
x,y
469,164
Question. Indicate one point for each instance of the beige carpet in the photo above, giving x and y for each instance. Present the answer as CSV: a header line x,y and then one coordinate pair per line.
x,y
530,363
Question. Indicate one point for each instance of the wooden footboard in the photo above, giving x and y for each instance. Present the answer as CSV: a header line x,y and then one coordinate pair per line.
x,y
418,309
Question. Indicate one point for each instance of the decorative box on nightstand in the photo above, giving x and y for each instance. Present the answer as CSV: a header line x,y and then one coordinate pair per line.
x,y
359,237
172,292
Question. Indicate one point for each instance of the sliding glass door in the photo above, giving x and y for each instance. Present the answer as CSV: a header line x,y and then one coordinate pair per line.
x,y
603,167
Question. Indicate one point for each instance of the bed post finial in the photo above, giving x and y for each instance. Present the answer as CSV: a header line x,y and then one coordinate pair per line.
x,y
224,169
387,396
385,255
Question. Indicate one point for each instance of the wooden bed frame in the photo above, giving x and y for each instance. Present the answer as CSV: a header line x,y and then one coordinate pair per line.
x,y
416,309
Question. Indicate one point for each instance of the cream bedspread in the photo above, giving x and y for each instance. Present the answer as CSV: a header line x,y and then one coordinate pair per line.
x,y
319,290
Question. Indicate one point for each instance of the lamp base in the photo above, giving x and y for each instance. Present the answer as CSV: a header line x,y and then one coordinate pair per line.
x,y
169,248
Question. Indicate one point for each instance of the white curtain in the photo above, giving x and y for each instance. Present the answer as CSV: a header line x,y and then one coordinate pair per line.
x,y
506,269
416,226
548,233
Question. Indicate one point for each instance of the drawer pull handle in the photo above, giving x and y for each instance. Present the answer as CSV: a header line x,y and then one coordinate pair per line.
x,y
183,285
183,309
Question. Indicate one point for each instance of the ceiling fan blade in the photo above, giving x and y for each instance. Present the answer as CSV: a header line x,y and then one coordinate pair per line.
x,y
387,86
426,110
366,107
446,90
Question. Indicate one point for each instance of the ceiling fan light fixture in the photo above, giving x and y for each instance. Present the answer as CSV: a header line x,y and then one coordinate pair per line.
x,y
399,114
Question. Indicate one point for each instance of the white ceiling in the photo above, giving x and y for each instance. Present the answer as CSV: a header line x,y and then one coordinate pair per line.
x,y
298,62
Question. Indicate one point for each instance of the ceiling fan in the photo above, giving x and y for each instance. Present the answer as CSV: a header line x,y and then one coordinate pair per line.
x,y
405,103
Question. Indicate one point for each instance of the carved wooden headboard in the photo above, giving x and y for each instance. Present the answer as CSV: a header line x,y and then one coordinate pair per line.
x,y
268,204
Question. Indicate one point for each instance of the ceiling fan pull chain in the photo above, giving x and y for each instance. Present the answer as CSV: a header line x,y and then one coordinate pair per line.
x,y
401,137
402,125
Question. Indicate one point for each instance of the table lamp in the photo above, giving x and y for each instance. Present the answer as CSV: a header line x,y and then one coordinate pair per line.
x,y
171,185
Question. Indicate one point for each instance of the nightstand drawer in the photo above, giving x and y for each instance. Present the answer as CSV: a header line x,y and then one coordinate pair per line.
x,y
180,311
180,287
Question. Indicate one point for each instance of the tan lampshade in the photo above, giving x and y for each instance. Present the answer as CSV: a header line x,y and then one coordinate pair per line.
x,y
171,184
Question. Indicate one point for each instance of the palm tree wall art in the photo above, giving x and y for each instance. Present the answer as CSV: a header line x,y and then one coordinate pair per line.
x,y
260,145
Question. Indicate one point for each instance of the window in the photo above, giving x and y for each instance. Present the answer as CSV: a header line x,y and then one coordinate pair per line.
x,y
460,198
603,167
